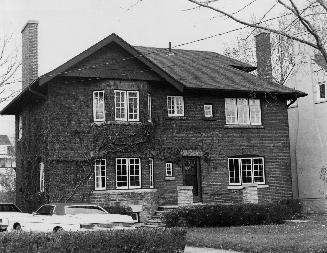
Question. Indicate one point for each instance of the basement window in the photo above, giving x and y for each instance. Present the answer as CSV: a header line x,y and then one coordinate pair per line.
x,y
247,170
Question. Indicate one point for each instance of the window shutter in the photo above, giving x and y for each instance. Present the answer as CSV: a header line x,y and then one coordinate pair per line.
x,y
255,111
231,110
243,111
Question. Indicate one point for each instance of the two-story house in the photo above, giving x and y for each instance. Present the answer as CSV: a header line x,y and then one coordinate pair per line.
x,y
131,125
7,156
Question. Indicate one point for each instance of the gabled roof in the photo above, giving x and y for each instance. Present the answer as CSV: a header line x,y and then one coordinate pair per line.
x,y
4,140
184,69
319,59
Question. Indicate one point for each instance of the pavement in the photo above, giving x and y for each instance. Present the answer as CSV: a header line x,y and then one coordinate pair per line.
x,y
189,249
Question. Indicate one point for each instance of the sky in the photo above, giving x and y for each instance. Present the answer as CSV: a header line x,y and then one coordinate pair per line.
x,y
68,27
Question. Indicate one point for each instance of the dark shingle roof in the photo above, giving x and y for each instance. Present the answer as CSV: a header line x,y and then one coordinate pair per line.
x,y
4,140
210,70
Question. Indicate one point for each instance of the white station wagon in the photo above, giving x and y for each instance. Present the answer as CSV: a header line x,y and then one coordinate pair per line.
x,y
71,217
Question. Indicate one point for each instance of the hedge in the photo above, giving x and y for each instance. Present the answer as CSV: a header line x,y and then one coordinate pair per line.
x,y
114,241
220,215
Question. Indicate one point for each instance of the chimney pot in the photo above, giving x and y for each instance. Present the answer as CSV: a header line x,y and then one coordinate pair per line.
x,y
29,52
263,53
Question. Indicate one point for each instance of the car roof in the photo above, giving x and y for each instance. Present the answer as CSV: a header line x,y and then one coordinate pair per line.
x,y
60,207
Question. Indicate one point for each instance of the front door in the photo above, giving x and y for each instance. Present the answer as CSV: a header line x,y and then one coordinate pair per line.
x,y
192,176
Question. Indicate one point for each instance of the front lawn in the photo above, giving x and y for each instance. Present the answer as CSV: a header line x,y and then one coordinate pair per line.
x,y
289,237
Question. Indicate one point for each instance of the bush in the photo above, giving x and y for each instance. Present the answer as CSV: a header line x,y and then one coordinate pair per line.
x,y
232,215
118,241
118,209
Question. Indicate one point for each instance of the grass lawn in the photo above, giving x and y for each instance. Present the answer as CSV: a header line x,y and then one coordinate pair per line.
x,y
289,237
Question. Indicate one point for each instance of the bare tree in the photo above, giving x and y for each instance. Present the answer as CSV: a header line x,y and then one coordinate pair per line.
x,y
9,66
301,14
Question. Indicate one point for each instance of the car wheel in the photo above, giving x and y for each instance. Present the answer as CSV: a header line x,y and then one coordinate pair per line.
x,y
57,229
17,227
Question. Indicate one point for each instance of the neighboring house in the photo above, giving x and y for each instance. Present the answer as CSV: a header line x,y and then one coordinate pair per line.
x,y
7,156
120,124
308,132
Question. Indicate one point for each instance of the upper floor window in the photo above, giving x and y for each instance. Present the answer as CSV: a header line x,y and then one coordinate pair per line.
x,y
149,108
243,111
98,106
175,106
126,105
128,173
169,169
41,166
100,174
20,127
208,111
246,170
322,90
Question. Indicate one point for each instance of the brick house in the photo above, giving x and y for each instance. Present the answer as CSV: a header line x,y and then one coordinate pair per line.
x,y
142,126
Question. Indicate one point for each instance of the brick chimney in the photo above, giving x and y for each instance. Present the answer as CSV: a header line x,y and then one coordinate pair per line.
x,y
263,52
29,52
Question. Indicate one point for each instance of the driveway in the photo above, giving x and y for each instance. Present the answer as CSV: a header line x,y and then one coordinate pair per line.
x,y
189,249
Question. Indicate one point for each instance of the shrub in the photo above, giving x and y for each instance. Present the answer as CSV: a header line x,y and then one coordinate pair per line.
x,y
118,241
232,215
118,209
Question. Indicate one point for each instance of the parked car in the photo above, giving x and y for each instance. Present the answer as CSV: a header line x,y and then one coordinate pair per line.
x,y
73,217
9,214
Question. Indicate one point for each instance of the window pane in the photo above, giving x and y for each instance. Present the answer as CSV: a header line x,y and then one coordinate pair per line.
x,y
179,106
98,106
151,172
255,111
169,169
243,111
149,108
322,90
246,170
234,171
100,174
121,173
207,111
120,107
258,172
134,172
170,105
133,111
231,111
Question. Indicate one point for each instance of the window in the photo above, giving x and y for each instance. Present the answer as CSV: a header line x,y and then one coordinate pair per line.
x,y
169,169
41,166
98,106
322,90
149,108
20,127
128,173
243,111
100,174
208,111
246,170
3,150
175,106
151,172
126,105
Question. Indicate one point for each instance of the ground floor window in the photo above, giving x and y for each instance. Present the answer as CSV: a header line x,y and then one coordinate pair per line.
x,y
246,170
41,166
151,172
100,174
128,173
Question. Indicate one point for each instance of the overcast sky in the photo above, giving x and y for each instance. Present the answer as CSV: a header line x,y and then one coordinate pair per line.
x,y
67,27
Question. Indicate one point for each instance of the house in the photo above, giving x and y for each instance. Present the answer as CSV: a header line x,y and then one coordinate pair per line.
x,y
308,134
143,126
7,156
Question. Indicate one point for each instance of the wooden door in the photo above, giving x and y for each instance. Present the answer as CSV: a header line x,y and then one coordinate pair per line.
x,y
192,176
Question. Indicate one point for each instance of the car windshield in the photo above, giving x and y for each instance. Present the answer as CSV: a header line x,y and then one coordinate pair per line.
x,y
9,208
45,210
84,210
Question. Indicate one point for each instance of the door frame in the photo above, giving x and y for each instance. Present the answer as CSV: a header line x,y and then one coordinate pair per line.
x,y
198,173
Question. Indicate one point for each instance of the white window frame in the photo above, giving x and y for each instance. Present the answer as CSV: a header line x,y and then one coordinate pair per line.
x,y
208,111
96,96
41,167
252,171
149,108
128,165
233,108
98,174
20,127
151,173
126,105
169,169
173,102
